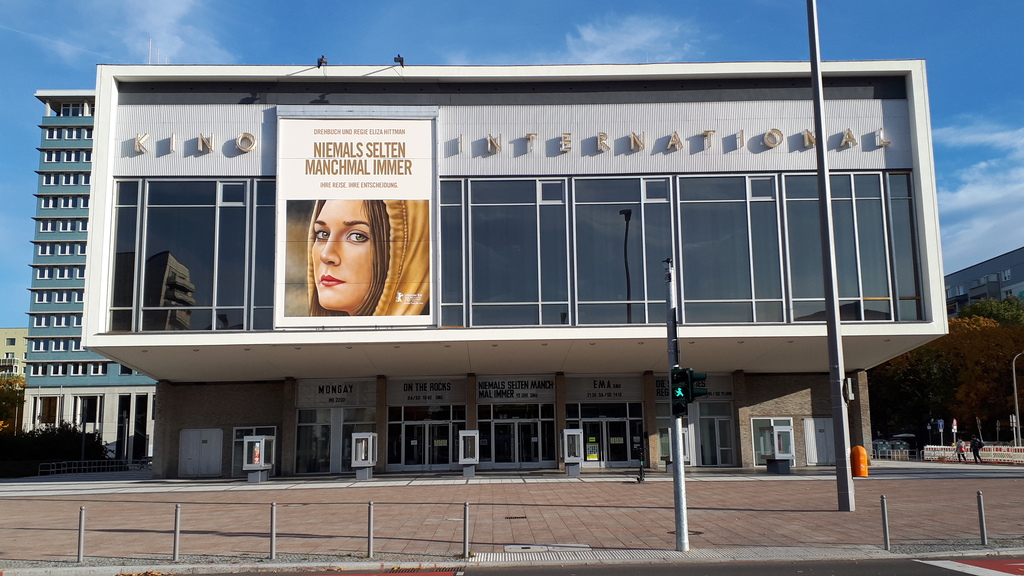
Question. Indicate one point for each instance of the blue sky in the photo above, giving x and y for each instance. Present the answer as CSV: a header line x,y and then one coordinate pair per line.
x,y
975,73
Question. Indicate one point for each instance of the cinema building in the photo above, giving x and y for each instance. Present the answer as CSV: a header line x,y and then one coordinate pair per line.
x,y
307,253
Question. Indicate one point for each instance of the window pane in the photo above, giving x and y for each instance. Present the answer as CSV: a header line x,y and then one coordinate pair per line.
x,y
608,244
451,192
554,314
263,259
503,192
801,186
716,258
840,186
451,254
868,185
553,253
607,190
179,193
504,254
706,312
732,188
231,273
520,315
658,236
764,228
845,249
768,312
871,234
805,250
611,313
179,257
124,260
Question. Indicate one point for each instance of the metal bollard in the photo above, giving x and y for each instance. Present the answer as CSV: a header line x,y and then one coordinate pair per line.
x,y
177,531
885,524
273,530
465,530
981,519
81,533
369,531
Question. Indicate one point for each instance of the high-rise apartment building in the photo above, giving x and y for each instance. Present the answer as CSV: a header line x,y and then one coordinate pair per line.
x,y
65,382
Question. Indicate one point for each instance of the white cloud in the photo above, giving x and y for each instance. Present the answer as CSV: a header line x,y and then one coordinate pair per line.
x,y
981,207
116,32
633,39
613,39
180,31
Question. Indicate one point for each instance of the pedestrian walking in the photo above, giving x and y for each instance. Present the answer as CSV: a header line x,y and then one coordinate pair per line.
x,y
976,446
961,450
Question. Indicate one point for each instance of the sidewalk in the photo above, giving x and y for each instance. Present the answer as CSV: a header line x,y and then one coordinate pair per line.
x,y
533,518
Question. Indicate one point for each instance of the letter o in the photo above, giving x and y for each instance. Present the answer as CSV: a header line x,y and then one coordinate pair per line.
x,y
773,138
245,142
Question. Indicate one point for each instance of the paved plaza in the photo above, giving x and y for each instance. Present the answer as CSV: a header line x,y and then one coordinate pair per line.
x,y
531,517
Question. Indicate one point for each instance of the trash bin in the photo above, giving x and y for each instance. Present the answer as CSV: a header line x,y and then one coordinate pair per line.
x,y
859,462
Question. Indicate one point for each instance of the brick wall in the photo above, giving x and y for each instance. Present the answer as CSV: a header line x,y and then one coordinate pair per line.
x,y
181,406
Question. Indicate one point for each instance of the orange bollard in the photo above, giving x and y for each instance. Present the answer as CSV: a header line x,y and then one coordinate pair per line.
x,y
859,462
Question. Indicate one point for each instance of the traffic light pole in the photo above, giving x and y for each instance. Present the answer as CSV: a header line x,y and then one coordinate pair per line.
x,y
678,482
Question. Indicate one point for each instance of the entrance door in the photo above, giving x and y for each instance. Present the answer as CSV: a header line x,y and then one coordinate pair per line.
x,y
607,443
517,444
426,446
818,442
716,446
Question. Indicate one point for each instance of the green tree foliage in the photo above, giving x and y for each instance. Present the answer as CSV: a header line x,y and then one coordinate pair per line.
x,y
963,375
12,388
1008,312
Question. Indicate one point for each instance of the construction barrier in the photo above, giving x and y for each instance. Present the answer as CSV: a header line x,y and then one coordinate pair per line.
x,y
995,454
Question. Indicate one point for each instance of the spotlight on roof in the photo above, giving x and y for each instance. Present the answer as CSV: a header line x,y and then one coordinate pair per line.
x,y
321,61
399,60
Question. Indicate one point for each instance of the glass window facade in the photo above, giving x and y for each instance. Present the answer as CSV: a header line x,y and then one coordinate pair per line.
x,y
193,255
199,254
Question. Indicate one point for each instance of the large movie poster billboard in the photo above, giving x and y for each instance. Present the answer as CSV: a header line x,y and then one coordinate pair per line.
x,y
353,222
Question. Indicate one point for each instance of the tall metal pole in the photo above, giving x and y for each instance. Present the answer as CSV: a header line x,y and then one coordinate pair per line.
x,y
837,372
678,481
1016,408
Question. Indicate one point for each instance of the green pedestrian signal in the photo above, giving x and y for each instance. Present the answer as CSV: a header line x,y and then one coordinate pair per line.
x,y
680,389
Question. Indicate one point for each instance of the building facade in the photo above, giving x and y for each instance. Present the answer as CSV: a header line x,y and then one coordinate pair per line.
x,y
65,382
14,351
417,251
994,279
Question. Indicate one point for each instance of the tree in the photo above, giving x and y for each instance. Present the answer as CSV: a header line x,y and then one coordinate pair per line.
x,y
1008,312
12,394
963,375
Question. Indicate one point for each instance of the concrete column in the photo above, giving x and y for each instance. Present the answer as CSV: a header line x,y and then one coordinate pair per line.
x,y
286,435
471,412
741,402
651,420
560,393
381,424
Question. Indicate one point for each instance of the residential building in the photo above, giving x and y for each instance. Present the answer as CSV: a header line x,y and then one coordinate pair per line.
x,y
13,350
993,279
66,382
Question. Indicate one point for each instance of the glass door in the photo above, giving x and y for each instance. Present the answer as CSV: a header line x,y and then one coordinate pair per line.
x,y
415,450
440,445
504,443
618,443
528,442
593,442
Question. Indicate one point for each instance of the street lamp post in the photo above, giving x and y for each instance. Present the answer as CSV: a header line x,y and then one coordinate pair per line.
x,y
1016,409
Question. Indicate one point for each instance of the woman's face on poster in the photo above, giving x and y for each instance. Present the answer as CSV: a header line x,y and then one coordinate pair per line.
x,y
342,254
